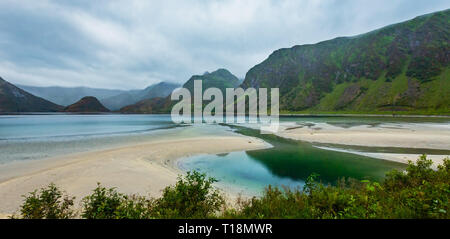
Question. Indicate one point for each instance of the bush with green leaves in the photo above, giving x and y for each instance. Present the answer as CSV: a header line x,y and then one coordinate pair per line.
x,y
48,203
135,207
107,203
418,192
102,203
193,196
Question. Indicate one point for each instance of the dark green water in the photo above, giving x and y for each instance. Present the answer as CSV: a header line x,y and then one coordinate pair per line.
x,y
297,160
288,163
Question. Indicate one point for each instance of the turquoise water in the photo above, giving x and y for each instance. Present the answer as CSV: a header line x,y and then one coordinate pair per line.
x,y
288,162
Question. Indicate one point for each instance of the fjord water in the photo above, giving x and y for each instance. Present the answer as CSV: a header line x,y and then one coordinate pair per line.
x,y
30,137
288,162
13,127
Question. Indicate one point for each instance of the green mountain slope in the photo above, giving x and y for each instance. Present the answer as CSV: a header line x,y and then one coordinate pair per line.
x,y
220,78
14,99
399,68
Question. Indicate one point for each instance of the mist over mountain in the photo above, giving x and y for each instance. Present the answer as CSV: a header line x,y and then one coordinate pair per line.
x,y
68,95
220,78
14,99
161,89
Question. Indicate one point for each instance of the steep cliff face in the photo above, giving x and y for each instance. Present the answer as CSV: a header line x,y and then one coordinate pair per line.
x,y
401,67
88,104
14,99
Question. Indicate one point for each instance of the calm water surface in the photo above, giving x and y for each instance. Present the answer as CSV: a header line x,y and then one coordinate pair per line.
x,y
288,162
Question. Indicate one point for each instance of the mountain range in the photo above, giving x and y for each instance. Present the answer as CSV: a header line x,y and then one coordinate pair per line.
x,y
68,95
112,99
220,79
403,67
161,89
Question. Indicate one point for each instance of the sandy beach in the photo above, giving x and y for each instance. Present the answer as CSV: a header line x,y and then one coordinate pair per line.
x,y
144,169
420,136
147,167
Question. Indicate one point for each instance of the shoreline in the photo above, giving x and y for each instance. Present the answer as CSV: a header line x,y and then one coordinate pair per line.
x,y
143,169
410,136
393,157
445,116
363,115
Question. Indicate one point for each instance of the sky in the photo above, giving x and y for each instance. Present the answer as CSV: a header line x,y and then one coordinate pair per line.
x,y
134,43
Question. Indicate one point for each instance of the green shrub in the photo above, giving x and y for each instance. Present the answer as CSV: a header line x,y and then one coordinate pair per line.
x,y
135,207
419,192
102,203
192,197
48,203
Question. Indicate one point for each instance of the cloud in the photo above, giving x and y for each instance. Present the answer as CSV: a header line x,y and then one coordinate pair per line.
x,y
132,44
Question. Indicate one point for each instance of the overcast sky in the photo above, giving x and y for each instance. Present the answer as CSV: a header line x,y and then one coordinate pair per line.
x,y
132,44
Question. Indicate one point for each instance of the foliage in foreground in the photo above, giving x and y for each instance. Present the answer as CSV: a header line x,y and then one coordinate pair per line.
x,y
419,192
49,203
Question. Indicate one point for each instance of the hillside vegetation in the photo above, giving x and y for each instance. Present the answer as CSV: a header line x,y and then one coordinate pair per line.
x,y
399,68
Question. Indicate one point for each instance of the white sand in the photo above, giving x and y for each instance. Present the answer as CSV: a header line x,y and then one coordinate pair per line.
x,y
396,157
423,136
149,167
144,169
406,136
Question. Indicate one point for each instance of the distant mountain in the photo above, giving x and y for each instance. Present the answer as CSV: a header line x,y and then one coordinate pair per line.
x,y
220,78
88,104
148,106
401,67
120,100
161,89
14,99
68,95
